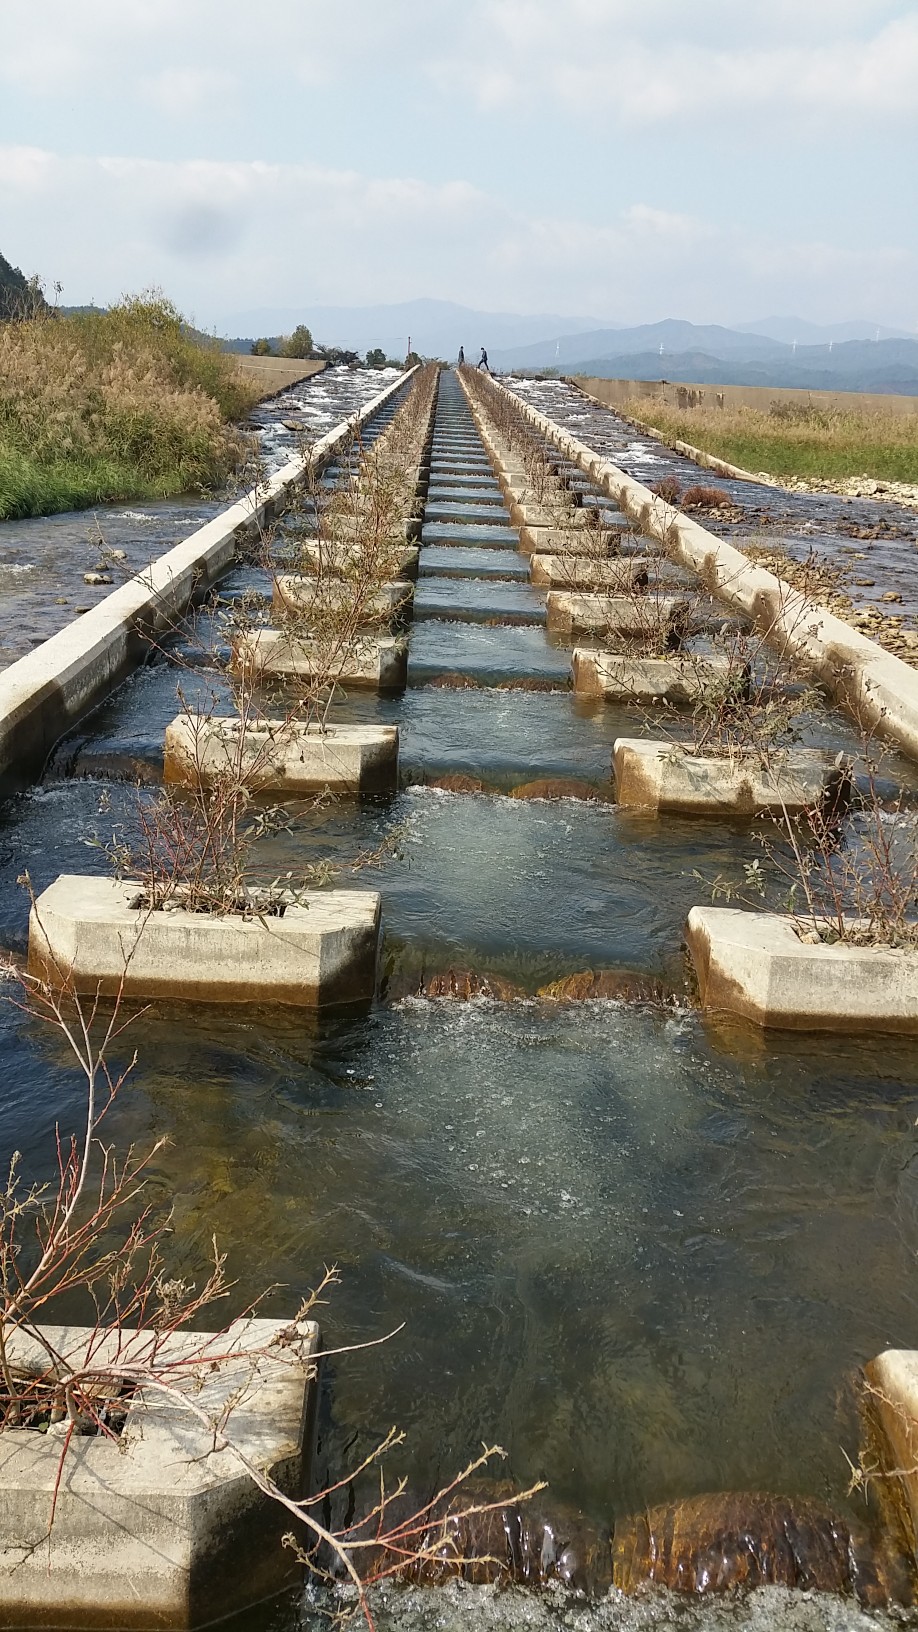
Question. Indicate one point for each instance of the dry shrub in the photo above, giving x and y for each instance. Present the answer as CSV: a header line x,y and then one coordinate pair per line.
x,y
668,489
113,404
706,498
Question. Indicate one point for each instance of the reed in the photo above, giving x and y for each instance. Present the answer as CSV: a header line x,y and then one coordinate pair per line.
x,y
120,404
793,439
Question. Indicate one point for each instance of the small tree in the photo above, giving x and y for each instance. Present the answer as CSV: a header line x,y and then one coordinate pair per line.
x,y
262,348
297,344
376,358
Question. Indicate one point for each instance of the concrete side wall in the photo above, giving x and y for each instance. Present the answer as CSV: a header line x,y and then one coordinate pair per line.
x,y
46,692
274,374
614,392
879,690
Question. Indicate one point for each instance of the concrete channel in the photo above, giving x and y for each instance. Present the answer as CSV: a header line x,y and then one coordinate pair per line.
x,y
646,1253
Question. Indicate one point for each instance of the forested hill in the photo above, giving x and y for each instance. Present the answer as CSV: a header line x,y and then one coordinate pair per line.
x,y
18,297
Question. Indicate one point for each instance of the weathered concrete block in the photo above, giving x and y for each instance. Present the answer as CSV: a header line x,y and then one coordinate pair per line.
x,y
667,776
156,1528
763,967
588,538
639,614
680,679
282,756
321,952
379,663
893,1383
571,571
304,595
394,561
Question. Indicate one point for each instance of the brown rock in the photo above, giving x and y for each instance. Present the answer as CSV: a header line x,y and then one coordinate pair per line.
x,y
460,783
739,1540
559,787
463,984
622,985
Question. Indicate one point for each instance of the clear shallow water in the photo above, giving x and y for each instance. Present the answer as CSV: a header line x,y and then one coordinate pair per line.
x,y
642,1252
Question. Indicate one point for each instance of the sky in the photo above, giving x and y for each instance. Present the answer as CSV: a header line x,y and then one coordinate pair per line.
x,y
626,160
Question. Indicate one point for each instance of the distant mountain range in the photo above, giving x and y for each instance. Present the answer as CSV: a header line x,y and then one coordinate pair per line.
x,y
437,328
853,366
711,355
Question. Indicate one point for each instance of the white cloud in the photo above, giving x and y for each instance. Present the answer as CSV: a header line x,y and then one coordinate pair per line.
x,y
620,61
661,61
182,92
224,236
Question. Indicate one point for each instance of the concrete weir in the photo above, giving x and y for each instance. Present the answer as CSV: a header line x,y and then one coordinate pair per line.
x,y
97,935
158,1527
45,693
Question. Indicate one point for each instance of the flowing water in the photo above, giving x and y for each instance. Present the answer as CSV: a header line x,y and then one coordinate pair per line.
x,y
644,1253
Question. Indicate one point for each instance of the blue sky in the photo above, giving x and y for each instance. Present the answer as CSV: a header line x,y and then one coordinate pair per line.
x,y
625,159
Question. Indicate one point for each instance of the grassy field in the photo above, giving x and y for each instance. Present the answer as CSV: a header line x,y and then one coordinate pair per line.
x,y
814,443
122,404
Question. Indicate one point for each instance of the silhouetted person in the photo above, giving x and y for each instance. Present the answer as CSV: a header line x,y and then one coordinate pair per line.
x,y
483,361
461,356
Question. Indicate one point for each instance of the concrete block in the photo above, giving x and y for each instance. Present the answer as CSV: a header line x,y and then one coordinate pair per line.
x,y
304,595
892,1379
634,615
379,663
570,571
585,538
668,776
336,560
321,952
762,966
156,1528
282,756
623,679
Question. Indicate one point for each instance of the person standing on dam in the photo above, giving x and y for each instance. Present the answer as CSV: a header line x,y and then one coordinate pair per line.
x,y
461,358
483,361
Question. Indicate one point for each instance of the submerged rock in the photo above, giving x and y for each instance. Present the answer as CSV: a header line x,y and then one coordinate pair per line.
x,y
732,1540
514,1544
620,985
464,984
559,787
459,783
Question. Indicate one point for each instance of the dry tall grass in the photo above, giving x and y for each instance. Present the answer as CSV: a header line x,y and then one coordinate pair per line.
x,y
113,405
791,440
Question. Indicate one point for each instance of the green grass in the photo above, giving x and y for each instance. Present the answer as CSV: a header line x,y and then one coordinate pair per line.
x,y
812,443
32,488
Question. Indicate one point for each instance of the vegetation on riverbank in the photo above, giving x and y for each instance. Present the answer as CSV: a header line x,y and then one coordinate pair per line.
x,y
794,439
109,405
